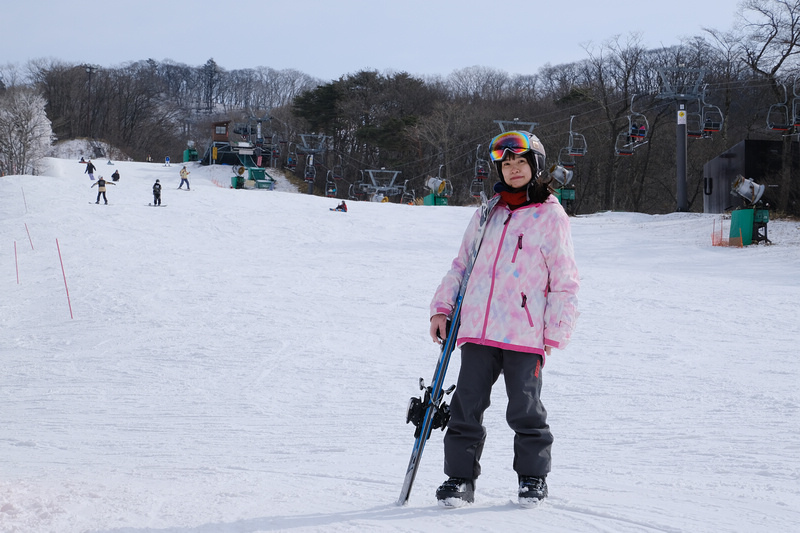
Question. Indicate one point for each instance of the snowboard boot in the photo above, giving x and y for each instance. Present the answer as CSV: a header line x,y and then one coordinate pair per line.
x,y
456,492
532,490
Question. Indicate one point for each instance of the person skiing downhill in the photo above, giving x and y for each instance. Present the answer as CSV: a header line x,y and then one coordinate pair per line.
x,y
520,302
101,189
157,193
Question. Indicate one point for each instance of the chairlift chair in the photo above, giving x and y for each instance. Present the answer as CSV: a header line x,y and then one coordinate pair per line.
x,y
694,126
640,133
476,188
577,142
711,115
778,115
291,158
624,145
566,159
482,166
338,169
408,197
330,185
310,173
635,136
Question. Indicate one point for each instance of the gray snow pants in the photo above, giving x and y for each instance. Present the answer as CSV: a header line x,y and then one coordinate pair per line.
x,y
525,414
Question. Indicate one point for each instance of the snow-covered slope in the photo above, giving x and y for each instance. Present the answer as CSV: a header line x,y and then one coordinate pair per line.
x,y
240,361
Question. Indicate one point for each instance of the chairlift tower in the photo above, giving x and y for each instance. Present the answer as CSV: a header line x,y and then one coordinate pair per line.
x,y
681,85
382,183
515,125
312,144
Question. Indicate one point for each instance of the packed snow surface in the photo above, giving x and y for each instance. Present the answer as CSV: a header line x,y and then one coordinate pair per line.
x,y
240,361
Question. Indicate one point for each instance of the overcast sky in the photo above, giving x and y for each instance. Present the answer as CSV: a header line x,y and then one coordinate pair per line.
x,y
331,38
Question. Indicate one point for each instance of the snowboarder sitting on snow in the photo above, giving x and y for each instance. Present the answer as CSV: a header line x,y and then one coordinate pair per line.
x,y
115,176
342,207
521,301
90,168
101,189
157,193
184,178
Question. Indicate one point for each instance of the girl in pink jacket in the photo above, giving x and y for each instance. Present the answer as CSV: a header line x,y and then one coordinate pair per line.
x,y
520,302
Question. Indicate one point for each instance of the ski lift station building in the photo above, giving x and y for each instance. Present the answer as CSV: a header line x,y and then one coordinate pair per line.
x,y
759,160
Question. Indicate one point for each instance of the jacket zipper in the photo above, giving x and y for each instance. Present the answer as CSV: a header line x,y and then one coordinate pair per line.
x,y
518,248
494,275
525,306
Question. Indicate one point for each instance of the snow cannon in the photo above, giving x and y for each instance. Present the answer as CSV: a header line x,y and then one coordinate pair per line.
x,y
436,185
560,174
748,189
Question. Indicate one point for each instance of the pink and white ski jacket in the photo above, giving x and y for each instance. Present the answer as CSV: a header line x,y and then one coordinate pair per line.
x,y
522,293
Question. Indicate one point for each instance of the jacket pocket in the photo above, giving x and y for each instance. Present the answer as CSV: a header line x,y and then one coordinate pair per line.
x,y
525,306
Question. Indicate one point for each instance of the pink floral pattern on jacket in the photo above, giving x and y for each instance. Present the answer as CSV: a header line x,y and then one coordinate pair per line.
x,y
522,293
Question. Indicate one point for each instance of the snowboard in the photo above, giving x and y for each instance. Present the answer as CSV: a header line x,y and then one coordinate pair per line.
x,y
159,205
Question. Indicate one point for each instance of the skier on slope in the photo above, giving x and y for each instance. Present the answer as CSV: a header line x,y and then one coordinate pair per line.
x,y
157,193
520,302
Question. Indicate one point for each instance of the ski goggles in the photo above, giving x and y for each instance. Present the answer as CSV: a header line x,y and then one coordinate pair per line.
x,y
516,142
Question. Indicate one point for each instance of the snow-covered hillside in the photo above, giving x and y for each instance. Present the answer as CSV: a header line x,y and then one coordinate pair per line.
x,y
241,360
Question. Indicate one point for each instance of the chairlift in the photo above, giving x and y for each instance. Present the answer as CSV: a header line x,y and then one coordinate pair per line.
x,y
408,197
476,188
711,114
310,172
291,158
577,142
694,121
566,159
330,185
482,166
642,130
636,134
338,170
624,144
778,114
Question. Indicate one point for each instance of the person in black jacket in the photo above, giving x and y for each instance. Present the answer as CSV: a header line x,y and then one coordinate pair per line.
x,y
115,175
90,168
157,193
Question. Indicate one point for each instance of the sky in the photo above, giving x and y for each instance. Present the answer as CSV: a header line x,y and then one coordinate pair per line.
x,y
328,39
241,361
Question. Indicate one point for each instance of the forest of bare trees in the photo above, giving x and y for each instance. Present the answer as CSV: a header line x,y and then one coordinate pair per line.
x,y
420,125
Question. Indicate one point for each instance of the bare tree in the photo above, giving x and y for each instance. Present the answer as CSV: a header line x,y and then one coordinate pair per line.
x,y
25,132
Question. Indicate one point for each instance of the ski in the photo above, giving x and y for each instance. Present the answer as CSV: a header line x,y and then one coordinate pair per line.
x,y
429,411
159,205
